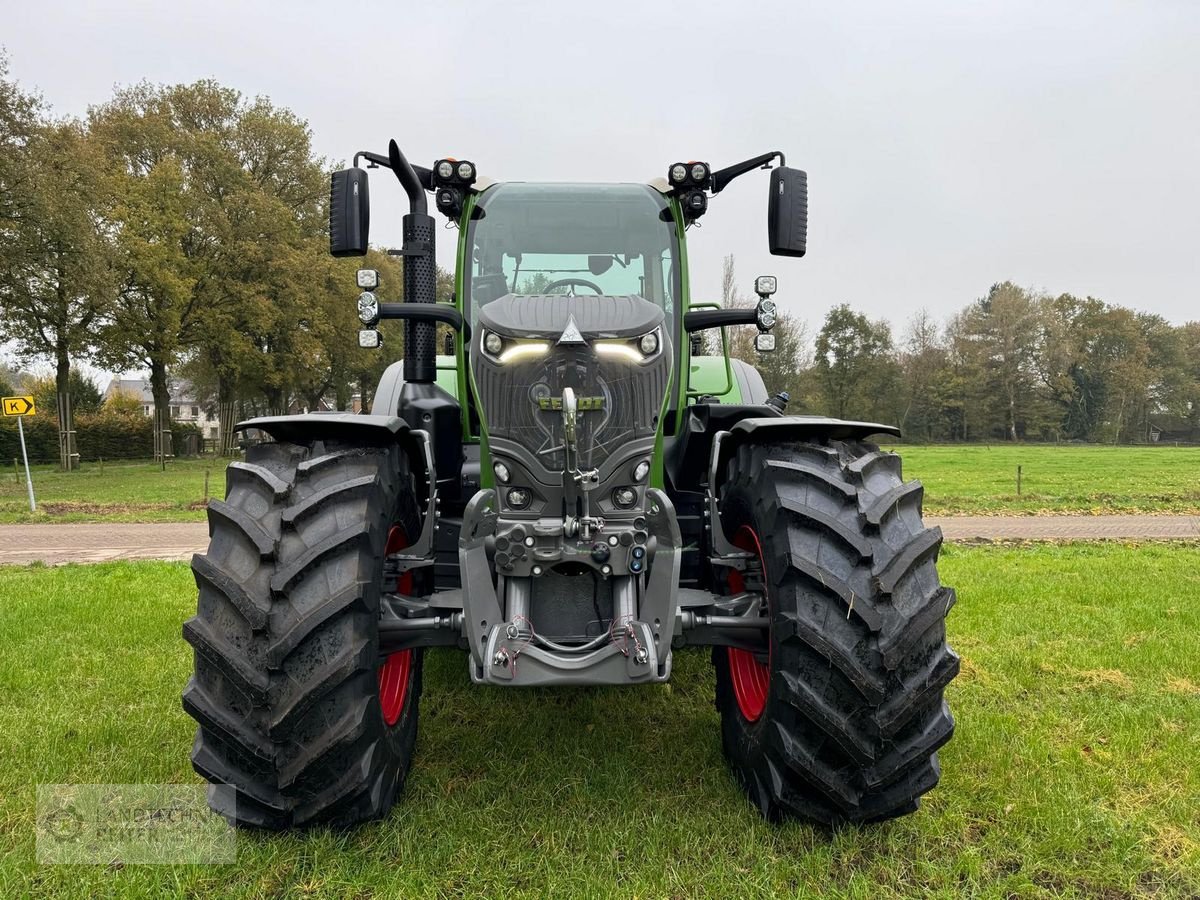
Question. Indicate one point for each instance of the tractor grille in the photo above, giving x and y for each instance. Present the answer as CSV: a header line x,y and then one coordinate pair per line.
x,y
618,402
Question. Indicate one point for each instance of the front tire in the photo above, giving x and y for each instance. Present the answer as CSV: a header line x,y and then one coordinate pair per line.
x,y
295,708
841,719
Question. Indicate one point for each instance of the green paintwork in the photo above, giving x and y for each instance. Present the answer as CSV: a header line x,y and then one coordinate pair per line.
x,y
447,375
711,375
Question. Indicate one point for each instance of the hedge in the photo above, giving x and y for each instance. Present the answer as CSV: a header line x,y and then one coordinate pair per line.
x,y
102,435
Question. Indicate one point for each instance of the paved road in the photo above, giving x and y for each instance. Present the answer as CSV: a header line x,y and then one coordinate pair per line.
x,y
55,544
1091,528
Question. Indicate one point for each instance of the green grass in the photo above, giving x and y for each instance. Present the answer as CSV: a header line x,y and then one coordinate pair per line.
x,y
959,480
978,479
1075,770
125,491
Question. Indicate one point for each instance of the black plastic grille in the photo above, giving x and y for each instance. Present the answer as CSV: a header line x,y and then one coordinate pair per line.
x,y
630,397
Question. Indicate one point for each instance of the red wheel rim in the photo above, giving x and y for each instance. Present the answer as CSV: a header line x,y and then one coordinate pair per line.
x,y
393,674
751,678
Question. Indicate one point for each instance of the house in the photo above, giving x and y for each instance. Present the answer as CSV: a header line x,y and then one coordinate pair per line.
x,y
184,405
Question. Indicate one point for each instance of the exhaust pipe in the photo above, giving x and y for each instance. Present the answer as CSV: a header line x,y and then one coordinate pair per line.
x,y
420,272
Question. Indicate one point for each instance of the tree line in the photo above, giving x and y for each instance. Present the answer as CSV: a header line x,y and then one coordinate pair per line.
x,y
182,230
1014,364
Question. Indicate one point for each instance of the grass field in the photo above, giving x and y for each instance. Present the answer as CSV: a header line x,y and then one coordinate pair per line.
x,y
1069,478
1075,770
959,480
125,491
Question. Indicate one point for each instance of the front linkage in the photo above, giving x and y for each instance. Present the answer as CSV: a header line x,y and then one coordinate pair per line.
x,y
613,517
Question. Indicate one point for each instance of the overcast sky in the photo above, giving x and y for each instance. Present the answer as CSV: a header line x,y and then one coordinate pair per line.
x,y
948,145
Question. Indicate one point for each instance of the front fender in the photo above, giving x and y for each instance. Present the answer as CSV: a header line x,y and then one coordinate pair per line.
x,y
787,428
363,430
302,429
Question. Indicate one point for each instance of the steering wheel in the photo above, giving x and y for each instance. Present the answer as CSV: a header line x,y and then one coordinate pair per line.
x,y
571,283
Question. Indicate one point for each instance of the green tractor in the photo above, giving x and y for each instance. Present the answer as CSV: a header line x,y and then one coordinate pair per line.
x,y
571,496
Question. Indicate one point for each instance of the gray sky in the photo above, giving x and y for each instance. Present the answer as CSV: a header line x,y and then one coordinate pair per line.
x,y
948,145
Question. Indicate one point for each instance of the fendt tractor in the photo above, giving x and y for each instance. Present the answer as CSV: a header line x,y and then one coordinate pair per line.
x,y
571,493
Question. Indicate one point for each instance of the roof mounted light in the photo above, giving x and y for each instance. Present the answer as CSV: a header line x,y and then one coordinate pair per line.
x,y
695,204
453,172
449,202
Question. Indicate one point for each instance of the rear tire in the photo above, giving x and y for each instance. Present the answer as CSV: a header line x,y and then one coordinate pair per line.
x,y
288,690
849,699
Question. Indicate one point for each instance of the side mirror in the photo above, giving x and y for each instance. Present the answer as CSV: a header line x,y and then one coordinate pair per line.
x,y
787,211
349,213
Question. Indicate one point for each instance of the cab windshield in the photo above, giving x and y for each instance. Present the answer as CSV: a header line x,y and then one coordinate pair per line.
x,y
581,239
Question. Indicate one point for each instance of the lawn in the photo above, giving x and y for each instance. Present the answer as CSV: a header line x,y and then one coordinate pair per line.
x,y
124,491
959,480
1075,770
978,479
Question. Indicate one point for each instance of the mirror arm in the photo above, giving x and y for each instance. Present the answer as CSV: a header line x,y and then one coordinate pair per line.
x,y
427,312
722,177
701,319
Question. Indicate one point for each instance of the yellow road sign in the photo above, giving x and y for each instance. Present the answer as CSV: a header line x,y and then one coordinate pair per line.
x,y
17,406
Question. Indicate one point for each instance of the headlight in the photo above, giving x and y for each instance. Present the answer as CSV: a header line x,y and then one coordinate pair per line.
x,y
502,473
678,173
615,350
368,279
509,350
466,171
641,470
445,169
636,350
764,285
518,498
624,497
368,308
527,350
766,314
699,172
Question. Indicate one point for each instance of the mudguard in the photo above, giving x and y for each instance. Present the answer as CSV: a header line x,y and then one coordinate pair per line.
x,y
787,428
369,430
773,429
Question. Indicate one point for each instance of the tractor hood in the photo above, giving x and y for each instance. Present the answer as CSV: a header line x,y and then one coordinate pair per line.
x,y
557,351
548,315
